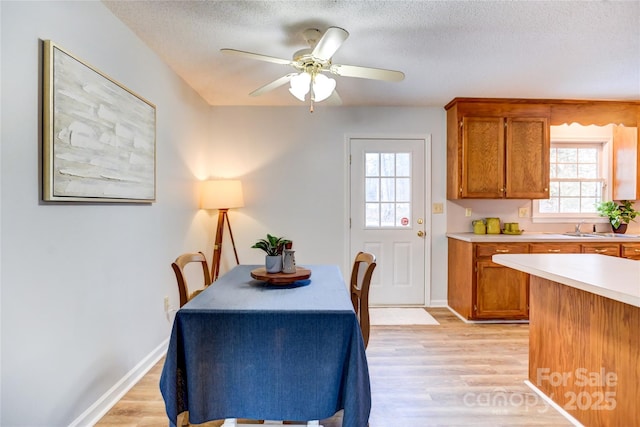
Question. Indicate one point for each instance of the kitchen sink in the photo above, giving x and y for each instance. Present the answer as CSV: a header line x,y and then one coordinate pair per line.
x,y
578,234
601,235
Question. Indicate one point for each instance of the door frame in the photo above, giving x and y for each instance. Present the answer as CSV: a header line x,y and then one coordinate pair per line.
x,y
428,219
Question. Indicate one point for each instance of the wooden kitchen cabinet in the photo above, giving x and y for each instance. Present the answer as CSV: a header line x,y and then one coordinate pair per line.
x,y
479,289
605,248
500,292
610,249
630,250
626,163
626,138
554,248
497,149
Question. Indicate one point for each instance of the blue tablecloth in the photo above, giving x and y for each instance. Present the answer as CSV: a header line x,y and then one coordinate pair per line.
x,y
246,349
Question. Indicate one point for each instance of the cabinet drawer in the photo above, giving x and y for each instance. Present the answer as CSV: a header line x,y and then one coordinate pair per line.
x,y
489,249
601,248
554,248
631,250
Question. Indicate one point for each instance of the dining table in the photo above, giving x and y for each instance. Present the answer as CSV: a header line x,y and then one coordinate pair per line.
x,y
245,348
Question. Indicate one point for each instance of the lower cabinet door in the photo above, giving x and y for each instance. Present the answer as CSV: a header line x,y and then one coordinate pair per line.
x,y
501,292
631,250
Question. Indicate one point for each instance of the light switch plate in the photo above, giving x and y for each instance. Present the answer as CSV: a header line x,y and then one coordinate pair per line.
x,y
438,208
467,212
523,212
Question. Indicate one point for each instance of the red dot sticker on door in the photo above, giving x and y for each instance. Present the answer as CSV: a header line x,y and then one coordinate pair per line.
x,y
404,221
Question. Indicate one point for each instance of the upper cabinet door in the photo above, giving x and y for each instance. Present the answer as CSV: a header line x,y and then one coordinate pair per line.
x,y
527,158
482,157
478,128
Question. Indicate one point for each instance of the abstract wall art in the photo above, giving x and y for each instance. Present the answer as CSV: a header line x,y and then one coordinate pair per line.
x,y
99,138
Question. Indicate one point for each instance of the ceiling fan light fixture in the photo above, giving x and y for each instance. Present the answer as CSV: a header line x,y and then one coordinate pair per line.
x,y
300,85
323,87
311,62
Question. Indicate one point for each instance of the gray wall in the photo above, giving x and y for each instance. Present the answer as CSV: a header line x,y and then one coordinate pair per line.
x,y
293,166
82,286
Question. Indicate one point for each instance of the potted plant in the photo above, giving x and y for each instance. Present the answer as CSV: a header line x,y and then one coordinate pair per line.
x,y
273,247
619,214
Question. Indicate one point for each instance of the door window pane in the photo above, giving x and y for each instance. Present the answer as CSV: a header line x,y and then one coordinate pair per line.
x,y
403,190
372,215
388,164
372,189
403,164
372,164
387,190
387,215
403,210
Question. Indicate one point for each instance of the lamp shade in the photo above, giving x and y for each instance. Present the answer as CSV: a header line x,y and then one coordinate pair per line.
x,y
221,194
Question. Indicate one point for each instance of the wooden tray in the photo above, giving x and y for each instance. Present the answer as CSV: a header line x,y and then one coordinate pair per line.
x,y
280,278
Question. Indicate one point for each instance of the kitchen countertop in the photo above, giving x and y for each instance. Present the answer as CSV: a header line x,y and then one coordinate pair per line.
x,y
545,237
607,276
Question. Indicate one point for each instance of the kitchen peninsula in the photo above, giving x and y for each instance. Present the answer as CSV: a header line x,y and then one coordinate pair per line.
x,y
584,345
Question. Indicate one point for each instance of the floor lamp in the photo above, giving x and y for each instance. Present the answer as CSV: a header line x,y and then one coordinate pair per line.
x,y
221,195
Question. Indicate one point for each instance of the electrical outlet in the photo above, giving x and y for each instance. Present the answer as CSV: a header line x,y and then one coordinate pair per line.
x,y
438,208
166,304
467,212
523,212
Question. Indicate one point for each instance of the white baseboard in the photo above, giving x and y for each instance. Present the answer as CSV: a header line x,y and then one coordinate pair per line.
x,y
553,404
438,303
100,407
459,316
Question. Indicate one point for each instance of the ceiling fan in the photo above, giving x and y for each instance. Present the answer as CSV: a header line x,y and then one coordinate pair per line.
x,y
313,63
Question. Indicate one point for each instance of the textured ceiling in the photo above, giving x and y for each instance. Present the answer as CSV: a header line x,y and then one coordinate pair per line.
x,y
528,49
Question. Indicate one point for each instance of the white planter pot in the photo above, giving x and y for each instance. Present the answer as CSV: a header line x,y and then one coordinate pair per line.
x,y
273,263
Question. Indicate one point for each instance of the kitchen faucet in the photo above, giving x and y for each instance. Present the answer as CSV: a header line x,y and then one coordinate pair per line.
x,y
578,227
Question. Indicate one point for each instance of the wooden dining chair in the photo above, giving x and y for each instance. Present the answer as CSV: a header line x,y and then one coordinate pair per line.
x,y
363,267
178,267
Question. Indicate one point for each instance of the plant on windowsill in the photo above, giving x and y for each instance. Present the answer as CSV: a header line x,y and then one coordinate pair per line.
x,y
273,247
619,214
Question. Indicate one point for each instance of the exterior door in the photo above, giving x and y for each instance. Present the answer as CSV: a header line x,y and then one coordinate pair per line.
x,y
387,213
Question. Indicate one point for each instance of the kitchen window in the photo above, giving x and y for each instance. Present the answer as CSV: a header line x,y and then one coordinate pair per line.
x,y
578,181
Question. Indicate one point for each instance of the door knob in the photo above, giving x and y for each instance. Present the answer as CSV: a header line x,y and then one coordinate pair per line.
x,y
420,233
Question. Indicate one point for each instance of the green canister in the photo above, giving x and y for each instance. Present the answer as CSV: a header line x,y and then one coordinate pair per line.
x,y
493,225
479,226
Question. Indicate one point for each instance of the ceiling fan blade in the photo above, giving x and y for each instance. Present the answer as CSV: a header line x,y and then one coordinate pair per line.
x,y
274,84
257,56
366,72
329,43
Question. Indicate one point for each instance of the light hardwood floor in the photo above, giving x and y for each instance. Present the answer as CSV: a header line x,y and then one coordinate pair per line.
x,y
455,374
